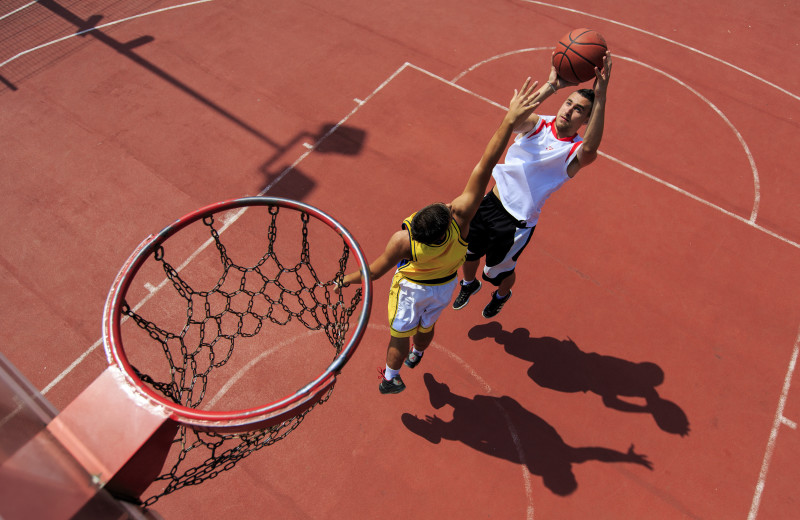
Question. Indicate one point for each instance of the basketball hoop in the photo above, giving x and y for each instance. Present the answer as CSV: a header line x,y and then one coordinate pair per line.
x,y
247,303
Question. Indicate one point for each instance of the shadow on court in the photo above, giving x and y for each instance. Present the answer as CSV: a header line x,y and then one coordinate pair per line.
x,y
329,139
487,423
561,365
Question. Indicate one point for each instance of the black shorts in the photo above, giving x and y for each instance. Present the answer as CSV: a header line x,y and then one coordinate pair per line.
x,y
498,236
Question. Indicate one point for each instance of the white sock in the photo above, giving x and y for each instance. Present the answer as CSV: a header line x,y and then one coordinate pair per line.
x,y
465,282
417,352
390,373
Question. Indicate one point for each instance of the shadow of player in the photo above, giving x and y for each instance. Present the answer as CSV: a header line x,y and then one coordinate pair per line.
x,y
529,439
561,365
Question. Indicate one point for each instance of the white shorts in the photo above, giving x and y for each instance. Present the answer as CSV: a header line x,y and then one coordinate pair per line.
x,y
415,307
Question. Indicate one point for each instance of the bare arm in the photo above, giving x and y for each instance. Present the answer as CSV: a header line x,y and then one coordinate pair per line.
x,y
465,205
554,83
398,248
587,152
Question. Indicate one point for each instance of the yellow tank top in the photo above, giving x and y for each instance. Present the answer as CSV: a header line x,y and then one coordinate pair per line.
x,y
434,264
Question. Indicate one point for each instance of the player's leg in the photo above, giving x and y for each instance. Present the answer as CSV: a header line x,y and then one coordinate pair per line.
x,y
437,298
500,269
403,324
397,351
469,284
505,286
470,269
480,238
422,340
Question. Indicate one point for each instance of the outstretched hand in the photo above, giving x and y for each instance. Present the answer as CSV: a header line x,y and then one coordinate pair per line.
x,y
522,103
602,76
639,459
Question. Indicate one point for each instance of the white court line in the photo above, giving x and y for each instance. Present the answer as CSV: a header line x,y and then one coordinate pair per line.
x,y
383,85
253,362
81,33
359,104
745,147
703,201
780,419
464,365
753,169
773,434
459,87
658,36
63,374
152,291
526,476
18,9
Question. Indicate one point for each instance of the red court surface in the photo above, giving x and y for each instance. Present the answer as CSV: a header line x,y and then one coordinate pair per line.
x,y
678,248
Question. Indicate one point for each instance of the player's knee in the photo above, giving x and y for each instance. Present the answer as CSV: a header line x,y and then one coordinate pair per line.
x,y
473,257
496,278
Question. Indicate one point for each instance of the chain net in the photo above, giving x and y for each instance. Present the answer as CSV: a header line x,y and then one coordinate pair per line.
x,y
284,292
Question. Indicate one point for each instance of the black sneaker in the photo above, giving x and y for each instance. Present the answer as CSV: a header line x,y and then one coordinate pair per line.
x,y
395,386
494,306
413,359
466,291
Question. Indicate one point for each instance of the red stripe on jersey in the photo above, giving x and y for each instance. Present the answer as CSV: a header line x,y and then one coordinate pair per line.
x,y
572,150
539,125
552,125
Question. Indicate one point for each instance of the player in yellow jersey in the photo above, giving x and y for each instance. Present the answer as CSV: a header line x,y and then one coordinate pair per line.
x,y
428,251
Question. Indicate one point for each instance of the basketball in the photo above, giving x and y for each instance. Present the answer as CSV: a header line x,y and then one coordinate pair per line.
x,y
578,53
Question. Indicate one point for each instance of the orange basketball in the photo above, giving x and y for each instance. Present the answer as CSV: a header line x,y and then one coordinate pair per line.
x,y
578,53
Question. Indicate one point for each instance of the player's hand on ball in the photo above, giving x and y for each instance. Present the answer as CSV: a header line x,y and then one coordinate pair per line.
x,y
557,81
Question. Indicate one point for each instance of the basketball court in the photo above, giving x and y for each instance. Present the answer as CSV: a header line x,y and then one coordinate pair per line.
x,y
674,254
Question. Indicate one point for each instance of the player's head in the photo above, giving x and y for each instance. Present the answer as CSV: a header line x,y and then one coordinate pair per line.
x,y
575,111
650,374
560,479
430,224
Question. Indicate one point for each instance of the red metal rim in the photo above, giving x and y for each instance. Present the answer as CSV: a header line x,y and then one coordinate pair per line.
x,y
237,420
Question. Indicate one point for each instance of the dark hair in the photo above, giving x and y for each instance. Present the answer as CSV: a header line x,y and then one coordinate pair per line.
x,y
430,223
587,93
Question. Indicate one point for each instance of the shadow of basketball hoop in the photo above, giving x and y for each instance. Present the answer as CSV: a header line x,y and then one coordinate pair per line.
x,y
329,139
340,139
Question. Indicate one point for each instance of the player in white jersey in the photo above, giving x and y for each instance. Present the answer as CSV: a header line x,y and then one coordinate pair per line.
x,y
547,153
428,252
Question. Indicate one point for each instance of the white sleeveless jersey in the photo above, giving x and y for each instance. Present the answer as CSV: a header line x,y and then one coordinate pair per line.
x,y
535,167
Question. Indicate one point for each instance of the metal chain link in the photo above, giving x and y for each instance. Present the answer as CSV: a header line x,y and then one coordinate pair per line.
x,y
320,309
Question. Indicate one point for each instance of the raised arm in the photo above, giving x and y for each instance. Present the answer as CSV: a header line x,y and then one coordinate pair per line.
x,y
521,106
587,153
554,83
